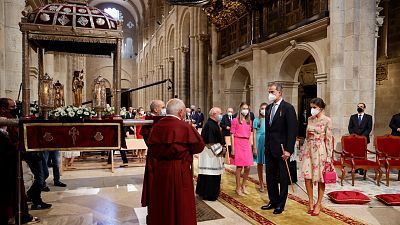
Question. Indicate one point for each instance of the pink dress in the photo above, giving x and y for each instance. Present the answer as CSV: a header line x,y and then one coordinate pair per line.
x,y
242,149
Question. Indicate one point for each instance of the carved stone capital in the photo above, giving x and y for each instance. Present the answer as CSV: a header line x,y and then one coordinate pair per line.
x,y
184,49
203,37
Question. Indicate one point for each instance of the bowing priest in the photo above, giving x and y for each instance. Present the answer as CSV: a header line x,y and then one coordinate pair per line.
x,y
172,143
211,161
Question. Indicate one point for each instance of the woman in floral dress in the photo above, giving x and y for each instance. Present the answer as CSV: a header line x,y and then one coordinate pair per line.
x,y
317,153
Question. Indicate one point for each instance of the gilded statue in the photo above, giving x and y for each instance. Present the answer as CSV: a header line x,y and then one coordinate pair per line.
x,y
77,87
58,94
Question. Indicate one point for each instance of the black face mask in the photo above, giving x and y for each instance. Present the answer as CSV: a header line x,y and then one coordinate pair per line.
x,y
360,110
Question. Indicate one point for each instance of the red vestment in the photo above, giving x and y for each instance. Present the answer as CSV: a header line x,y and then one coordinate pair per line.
x,y
172,143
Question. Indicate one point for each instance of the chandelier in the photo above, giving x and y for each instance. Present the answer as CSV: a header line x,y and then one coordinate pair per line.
x,y
225,12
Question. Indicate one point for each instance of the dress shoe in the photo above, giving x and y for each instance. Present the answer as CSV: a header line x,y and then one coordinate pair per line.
x,y
59,184
269,206
40,206
278,210
46,189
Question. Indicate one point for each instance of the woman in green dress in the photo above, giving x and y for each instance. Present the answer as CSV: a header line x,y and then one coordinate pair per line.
x,y
259,143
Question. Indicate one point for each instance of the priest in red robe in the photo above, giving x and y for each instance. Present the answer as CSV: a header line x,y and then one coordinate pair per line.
x,y
158,111
173,143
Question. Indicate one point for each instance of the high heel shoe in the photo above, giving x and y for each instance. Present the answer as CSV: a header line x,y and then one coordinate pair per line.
x,y
313,212
244,190
239,192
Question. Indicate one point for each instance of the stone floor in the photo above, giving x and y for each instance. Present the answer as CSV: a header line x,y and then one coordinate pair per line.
x,y
99,197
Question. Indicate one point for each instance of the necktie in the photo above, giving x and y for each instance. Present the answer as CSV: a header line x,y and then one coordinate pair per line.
x,y
359,119
273,111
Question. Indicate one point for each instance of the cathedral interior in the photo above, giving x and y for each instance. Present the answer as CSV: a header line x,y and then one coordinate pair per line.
x,y
206,53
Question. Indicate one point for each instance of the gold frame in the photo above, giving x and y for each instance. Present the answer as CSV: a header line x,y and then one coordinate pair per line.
x,y
25,125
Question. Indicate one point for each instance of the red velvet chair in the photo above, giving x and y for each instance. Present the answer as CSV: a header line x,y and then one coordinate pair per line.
x,y
338,163
354,155
388,149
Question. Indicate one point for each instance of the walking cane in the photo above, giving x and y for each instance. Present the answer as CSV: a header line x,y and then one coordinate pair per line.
x,y
287,167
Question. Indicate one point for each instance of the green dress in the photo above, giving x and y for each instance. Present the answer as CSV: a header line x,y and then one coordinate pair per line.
x,y
260,140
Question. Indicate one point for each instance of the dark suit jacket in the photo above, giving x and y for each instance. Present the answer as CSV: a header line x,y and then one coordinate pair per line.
x,y
225,122
364,128
283,129
394,124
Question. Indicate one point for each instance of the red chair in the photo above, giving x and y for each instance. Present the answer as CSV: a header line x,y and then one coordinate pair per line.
x,y
339,162
388,149
354,155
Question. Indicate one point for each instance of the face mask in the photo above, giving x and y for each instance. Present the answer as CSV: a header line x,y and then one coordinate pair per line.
x,y
219,118
271,97
188,113
315,112
163,112
360,110
141,112
245,112
230,114
262,112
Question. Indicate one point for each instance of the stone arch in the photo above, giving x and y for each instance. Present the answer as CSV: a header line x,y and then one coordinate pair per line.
x,y
171,41
185,28
239,90
294,56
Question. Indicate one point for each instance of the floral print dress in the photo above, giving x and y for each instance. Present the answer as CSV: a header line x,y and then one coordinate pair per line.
x,y
317,147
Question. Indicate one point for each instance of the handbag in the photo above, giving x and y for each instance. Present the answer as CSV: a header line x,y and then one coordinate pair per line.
x,y
329,175
227,159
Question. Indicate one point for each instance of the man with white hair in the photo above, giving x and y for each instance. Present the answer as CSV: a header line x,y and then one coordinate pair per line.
x,y
172,143
211,161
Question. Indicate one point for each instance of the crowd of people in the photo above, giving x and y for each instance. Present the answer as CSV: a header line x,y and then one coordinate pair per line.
x,y
178,133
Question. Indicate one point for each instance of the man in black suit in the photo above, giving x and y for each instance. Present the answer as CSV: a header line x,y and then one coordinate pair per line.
x,y
280,128
395,124
361,124
225,123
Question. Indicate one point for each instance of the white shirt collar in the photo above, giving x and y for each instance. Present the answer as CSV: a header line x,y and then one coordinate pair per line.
x,y
361,114
278,102
174,116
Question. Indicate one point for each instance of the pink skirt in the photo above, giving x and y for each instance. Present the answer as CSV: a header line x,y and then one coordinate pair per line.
x,y
243,153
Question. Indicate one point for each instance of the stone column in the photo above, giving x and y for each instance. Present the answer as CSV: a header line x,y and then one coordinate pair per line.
x,y
161,88
171,75
192,68
12,47
256,80
25,77
183,82
202,95
291,92
215,76
337,73
117,79
2,50
322,80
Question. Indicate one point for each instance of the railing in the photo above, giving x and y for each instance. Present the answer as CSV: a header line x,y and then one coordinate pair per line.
x,y
126,122
276,17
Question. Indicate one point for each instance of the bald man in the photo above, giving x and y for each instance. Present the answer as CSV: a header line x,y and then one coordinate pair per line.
x,y
211,161
172,143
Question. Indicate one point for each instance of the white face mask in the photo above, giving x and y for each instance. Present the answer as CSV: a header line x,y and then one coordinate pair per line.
x,y
271,97
163,112
141,112
315,112
262,111
245,112
230,114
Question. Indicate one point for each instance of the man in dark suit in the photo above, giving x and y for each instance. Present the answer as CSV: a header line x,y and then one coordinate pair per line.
x,y
395,124
225,123
360,124
280,129
199,117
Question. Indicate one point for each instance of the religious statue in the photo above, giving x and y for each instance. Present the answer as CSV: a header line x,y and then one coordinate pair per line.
x,y
58,94
77,87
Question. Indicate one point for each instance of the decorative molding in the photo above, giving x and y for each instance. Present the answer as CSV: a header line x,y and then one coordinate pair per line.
x,y
184,49
381,72
379,19
203,37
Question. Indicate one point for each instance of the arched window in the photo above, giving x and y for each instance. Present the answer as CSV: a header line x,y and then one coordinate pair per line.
x,y
114,13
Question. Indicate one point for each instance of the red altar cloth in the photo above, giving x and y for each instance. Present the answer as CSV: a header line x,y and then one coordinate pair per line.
x,y
92,135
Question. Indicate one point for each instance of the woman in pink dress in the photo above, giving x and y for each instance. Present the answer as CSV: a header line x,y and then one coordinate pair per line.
x,y
240,132
317,153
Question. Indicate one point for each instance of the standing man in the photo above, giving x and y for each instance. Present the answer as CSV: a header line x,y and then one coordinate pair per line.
x,y
226,122
199,118
361,124
173,142
280,129
211,161
157,109
395,125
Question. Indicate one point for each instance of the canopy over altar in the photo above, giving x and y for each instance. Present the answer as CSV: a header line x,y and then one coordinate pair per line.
x,y
72,28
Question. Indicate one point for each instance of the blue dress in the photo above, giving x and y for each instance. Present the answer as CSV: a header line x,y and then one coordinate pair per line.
x,y
260,140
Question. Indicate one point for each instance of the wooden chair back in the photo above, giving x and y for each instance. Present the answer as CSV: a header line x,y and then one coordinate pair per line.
x,y
356,145
388,145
